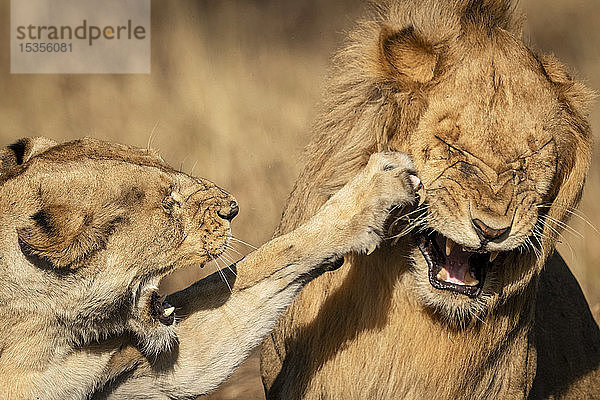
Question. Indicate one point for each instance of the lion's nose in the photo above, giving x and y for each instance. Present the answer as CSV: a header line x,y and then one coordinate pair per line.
x,y
230,211
487,233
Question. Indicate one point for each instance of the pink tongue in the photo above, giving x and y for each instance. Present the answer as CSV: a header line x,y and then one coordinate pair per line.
x,y
457,265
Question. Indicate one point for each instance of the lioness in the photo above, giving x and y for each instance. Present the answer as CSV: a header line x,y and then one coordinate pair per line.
x,y
88,230
474,304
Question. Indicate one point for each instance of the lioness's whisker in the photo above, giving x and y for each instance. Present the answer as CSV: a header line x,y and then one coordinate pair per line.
x,y
228,263
242,242
151,136
193,167
227,258
230,247
222,274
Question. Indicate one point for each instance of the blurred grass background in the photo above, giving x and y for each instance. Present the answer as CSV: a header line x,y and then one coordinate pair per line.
x,y
232,93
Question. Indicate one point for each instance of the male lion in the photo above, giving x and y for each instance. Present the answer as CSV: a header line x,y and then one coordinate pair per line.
x,y
474,303
88,230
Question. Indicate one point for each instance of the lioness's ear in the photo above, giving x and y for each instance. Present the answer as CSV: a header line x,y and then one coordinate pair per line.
x,y
406,56
21,151
65,236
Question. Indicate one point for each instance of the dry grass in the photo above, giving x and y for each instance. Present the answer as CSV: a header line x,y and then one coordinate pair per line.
x,y
232,94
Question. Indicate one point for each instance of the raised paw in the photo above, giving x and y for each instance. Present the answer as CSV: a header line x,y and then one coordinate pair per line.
x,y
393,177
360,209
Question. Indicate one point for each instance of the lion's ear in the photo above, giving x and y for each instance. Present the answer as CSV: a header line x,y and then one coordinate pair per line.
x,y
573,147
22,151
405,56
65,235
575,93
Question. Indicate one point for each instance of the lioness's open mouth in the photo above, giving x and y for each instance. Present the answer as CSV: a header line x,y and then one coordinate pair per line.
x,y
455,269
161,310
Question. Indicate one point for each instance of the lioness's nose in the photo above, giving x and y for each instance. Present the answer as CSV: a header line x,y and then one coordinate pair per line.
x,y
487,233
229,211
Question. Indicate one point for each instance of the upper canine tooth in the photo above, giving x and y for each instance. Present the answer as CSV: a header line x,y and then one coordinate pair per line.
x,y
449,246
493,255
168,311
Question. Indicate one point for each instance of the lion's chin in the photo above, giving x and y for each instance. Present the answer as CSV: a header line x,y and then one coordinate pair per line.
x,y
453,268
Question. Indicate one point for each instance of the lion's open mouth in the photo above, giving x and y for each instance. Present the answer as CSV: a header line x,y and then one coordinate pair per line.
x,y
454,269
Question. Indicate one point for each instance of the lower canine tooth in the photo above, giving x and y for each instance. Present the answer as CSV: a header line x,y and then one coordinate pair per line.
x,y
168,311
469,280
493,255
442,275
371,250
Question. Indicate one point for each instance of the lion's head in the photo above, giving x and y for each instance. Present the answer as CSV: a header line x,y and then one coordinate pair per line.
x,y
88,230
497,132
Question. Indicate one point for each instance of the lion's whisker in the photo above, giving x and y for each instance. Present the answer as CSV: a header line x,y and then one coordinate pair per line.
x,y
562,225
576,213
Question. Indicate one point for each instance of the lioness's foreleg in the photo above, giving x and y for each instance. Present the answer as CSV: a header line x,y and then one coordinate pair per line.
x,y
220,327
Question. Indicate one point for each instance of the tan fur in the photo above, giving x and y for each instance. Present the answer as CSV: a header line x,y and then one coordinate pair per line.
x,y
89,228
498,133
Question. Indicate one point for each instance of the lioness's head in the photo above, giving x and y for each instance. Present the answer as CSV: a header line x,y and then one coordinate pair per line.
x,y
88,230
498,134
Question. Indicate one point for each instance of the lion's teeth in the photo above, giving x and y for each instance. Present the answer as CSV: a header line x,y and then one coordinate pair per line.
x,y
493,255
449,246
168,311
469,280
442,275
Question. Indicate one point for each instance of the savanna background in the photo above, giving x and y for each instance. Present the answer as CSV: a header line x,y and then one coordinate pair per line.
x,y
233,90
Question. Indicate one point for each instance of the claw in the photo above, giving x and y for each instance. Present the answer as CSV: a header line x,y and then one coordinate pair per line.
x,y
418,188
415,181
